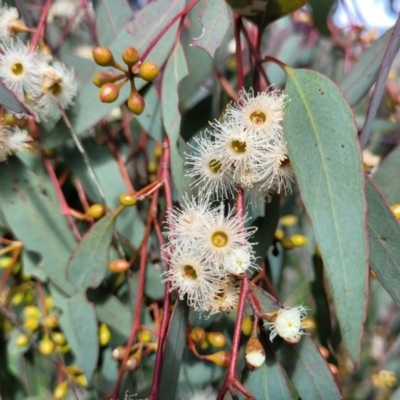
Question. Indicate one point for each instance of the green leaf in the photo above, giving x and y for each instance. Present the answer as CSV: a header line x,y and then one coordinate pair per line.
x,y
364,71
269,381
215,20
263,12
321,9
173,351
10,101
323,149
150,120
36,220
387,176
384,239
175,70
79,323
110,18
153,287
110,179
303,362
87,267
139,33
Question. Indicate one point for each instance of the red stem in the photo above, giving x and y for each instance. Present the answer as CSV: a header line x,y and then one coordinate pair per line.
x,y
164,177
40,25
167,27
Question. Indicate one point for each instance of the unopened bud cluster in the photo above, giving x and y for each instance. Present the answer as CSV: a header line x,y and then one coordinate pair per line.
x,y
110,83
209,251
245,149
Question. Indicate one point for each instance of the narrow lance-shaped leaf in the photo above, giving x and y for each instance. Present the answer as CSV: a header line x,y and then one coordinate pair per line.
x,y
215,21
364,71
175,70
384,239
36,220
303,362
175,343
387,177
79,323
87,267
323,149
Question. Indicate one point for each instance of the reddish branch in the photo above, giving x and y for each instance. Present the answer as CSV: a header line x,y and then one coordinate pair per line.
x,y
40,25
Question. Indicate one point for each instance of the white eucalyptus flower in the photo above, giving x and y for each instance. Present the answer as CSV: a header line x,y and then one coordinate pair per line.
x,y
9,22
226,300
239,261
205,394
262,113
288,324
20,68
12,140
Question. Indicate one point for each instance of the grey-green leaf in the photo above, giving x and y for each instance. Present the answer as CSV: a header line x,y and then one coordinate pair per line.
x,y
364,71
175,70
215,20
79,324
36,220
10,101
384,239
87,267
173,351
303,362
387,177
323,149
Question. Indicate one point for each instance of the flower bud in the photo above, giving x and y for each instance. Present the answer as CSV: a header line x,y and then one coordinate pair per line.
x,y
372,274
51,321
287,244
31,312
197,334
221,358
17,298
157,151
134,360
298,240
102,56
288,220
144,336
96,211
279,234
135,103
74,370
104,334
119,266
216,339
148,71
60,390
254,354
309,324
130,56
247,325
31,323
46,346
118,353
152,167
203,344
58,338
104,77
81,380
334,369
109,92
21,340
49,301
396,210
127,199
64,349
324,351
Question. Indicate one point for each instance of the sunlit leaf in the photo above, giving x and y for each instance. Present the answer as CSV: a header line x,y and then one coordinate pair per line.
x,y
323,149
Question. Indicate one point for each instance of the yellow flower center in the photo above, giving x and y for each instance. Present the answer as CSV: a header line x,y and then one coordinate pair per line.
x,y
219,239
189,272
215,166
17,69
258,117
56,89
238,146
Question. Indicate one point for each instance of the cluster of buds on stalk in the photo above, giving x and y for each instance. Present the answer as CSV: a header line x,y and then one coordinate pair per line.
x,y
110,83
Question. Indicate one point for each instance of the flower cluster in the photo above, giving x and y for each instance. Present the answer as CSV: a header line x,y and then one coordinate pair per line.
x,y
41,84
208,251
245,149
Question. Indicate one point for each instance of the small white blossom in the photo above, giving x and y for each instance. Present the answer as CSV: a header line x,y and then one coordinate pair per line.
x,y
226,300
205,394
20,68
12,140
262,113
58,88
192,276
208,166
9,19
288,324
239,261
